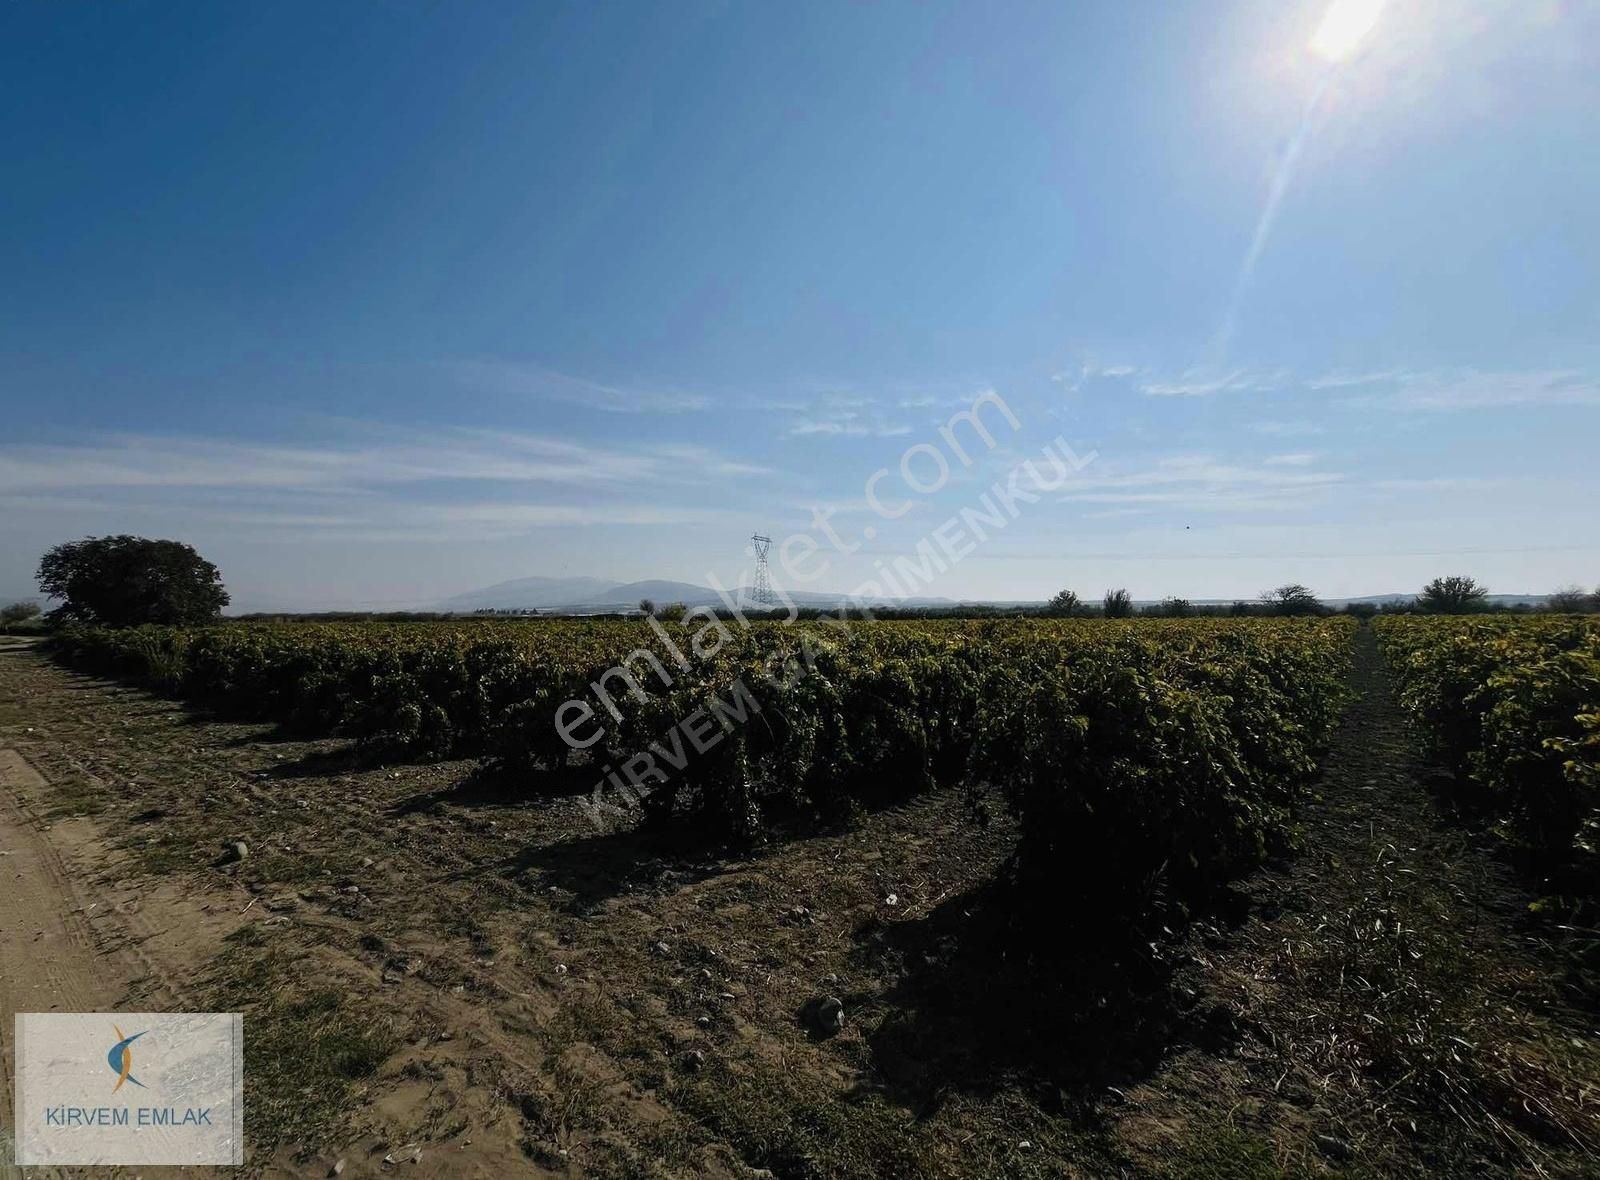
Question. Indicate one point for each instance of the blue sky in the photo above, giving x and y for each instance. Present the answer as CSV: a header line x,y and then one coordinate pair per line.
x,y
378,303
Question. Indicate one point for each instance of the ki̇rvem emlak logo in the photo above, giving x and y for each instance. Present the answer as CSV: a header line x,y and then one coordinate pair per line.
x,y
129,1088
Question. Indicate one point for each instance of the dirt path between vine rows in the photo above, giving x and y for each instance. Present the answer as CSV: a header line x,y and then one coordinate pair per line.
x,y
1385,1003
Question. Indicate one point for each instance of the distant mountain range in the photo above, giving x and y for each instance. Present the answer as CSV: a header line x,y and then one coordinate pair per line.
x,y
596,594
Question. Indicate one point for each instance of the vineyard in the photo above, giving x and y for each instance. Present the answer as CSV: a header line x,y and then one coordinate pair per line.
x,y
1511,707
1140,756
1135,752
1015,859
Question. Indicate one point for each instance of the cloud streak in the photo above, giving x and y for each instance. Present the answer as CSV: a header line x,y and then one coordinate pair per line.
x,y
1406,389
841,415
535,382
1205,484
1195,384
1470,389
387,458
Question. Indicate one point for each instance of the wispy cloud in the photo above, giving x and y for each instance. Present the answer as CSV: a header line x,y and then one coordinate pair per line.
x,y
1346,380
539,383
1075,380
846,415
385,457
1195,384
379,484
848,425
1445,483
1288,429
1293,459
1117,513
1471,389
1414,389
382,518
1205,484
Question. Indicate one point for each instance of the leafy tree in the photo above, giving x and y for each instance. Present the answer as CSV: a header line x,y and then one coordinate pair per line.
x,y
18,611
1454,595
123,581
1118,604
647,605
1175,608
1292,599
1064,603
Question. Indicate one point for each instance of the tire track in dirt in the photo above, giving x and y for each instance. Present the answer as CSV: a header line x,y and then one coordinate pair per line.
x,y
47,948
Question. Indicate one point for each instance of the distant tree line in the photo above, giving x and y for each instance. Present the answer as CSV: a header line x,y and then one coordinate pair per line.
x,y
1450,595
122,581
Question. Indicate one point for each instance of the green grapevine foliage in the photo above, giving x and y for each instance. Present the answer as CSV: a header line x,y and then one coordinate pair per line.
x,y
1511,705
1139,755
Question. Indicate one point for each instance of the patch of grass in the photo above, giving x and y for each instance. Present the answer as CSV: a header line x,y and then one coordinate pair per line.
x,y
1390,988
159,857
604,1023
1224,1153
306,1049
775,1120
71,795
281,868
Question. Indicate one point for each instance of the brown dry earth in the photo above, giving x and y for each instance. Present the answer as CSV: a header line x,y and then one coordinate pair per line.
x,y
531,987
73,938
478,974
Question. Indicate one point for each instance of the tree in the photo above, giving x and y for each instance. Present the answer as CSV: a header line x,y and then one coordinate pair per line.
x,y
1175,608
647,605
1064,603
123,581
1118,604
1292,599
1571,600
1455,595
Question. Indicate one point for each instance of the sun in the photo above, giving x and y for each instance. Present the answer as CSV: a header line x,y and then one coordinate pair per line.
x,y
1343,27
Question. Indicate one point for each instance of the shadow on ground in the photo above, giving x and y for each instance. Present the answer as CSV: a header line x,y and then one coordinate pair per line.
x,y
485,787
597,867
969,1014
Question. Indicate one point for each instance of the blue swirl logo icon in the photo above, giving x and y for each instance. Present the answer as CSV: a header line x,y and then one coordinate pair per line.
x,y
120,1059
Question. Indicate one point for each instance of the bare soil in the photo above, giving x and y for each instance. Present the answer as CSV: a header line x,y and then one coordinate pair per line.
x,y
429,961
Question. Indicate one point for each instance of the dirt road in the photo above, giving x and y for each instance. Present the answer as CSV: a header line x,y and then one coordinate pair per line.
x,y
48,957
72,938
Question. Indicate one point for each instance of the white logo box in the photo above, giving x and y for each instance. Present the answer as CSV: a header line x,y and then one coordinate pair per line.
x,y
129,1088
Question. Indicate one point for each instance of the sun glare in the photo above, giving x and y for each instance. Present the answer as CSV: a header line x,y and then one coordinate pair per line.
x,y
1343,27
